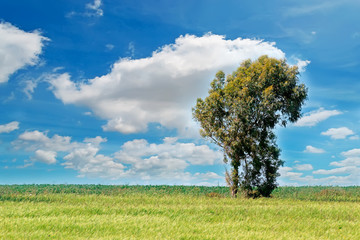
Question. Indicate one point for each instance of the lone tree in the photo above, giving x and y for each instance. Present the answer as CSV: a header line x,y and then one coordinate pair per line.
x,y
240,115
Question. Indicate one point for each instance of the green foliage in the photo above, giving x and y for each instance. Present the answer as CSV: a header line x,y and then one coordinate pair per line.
x,y
240,114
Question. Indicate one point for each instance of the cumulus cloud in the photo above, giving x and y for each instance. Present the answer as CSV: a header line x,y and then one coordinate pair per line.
x,y
302,64
34,140
166,158
88,162
48,157
348,169
161,88
303,167
355,137
314,117
342,170
9,127
287,172
136,160
208,176
18,49
338,133
345,172
352,159
311,149
351,177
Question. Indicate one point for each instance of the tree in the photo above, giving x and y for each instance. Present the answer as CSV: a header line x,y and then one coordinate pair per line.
x,y
240,115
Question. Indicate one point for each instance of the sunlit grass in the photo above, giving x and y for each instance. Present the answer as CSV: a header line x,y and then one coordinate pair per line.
x,y
163,212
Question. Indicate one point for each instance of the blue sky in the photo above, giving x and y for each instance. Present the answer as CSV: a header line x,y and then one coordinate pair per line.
x,y
101,92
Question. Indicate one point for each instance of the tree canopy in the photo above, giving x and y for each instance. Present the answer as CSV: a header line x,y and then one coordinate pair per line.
x,y
241,113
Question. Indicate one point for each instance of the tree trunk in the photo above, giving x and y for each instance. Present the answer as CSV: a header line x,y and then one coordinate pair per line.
x,y
234,192
235,177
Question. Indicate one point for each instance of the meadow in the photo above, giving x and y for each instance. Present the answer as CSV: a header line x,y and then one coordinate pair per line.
x,y
176,212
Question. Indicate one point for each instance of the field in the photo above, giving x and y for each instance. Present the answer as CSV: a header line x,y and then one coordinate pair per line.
x,y
176,212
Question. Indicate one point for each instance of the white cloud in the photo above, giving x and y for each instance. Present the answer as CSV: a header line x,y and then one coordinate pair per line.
x,y
162,88
352,153
34,140
96,141
352,159
338,133
31,83
92,9
302,64
89,163
170,155
348,169
30,88
342,170
48,157
355,137
208,175
303,167
18,49
311,149
314,117
137,160
288,177
286,172
95,8
9,127
33,136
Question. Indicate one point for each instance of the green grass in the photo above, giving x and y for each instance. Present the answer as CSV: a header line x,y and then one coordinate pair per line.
x,y
176,212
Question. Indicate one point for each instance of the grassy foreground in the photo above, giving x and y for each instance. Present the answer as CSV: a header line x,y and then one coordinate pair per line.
x,y
163,212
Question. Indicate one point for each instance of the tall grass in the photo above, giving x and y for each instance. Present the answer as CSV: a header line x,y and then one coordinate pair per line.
x,y
176,212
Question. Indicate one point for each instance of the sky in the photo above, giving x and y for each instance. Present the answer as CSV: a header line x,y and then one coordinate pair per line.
x,y
101,92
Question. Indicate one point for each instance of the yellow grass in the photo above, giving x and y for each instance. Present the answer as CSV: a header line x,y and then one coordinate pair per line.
x,y
177,216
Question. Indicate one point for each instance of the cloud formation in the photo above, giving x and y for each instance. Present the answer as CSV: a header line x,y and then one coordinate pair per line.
x,y
167,159
311,149
302,64
314,117
18,49
161,88
351,177
352,159
136,160
338,133
9,127
48,157
304,167
345,172
94,8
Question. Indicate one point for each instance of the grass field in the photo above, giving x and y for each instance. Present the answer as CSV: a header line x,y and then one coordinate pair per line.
x,y
176,212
